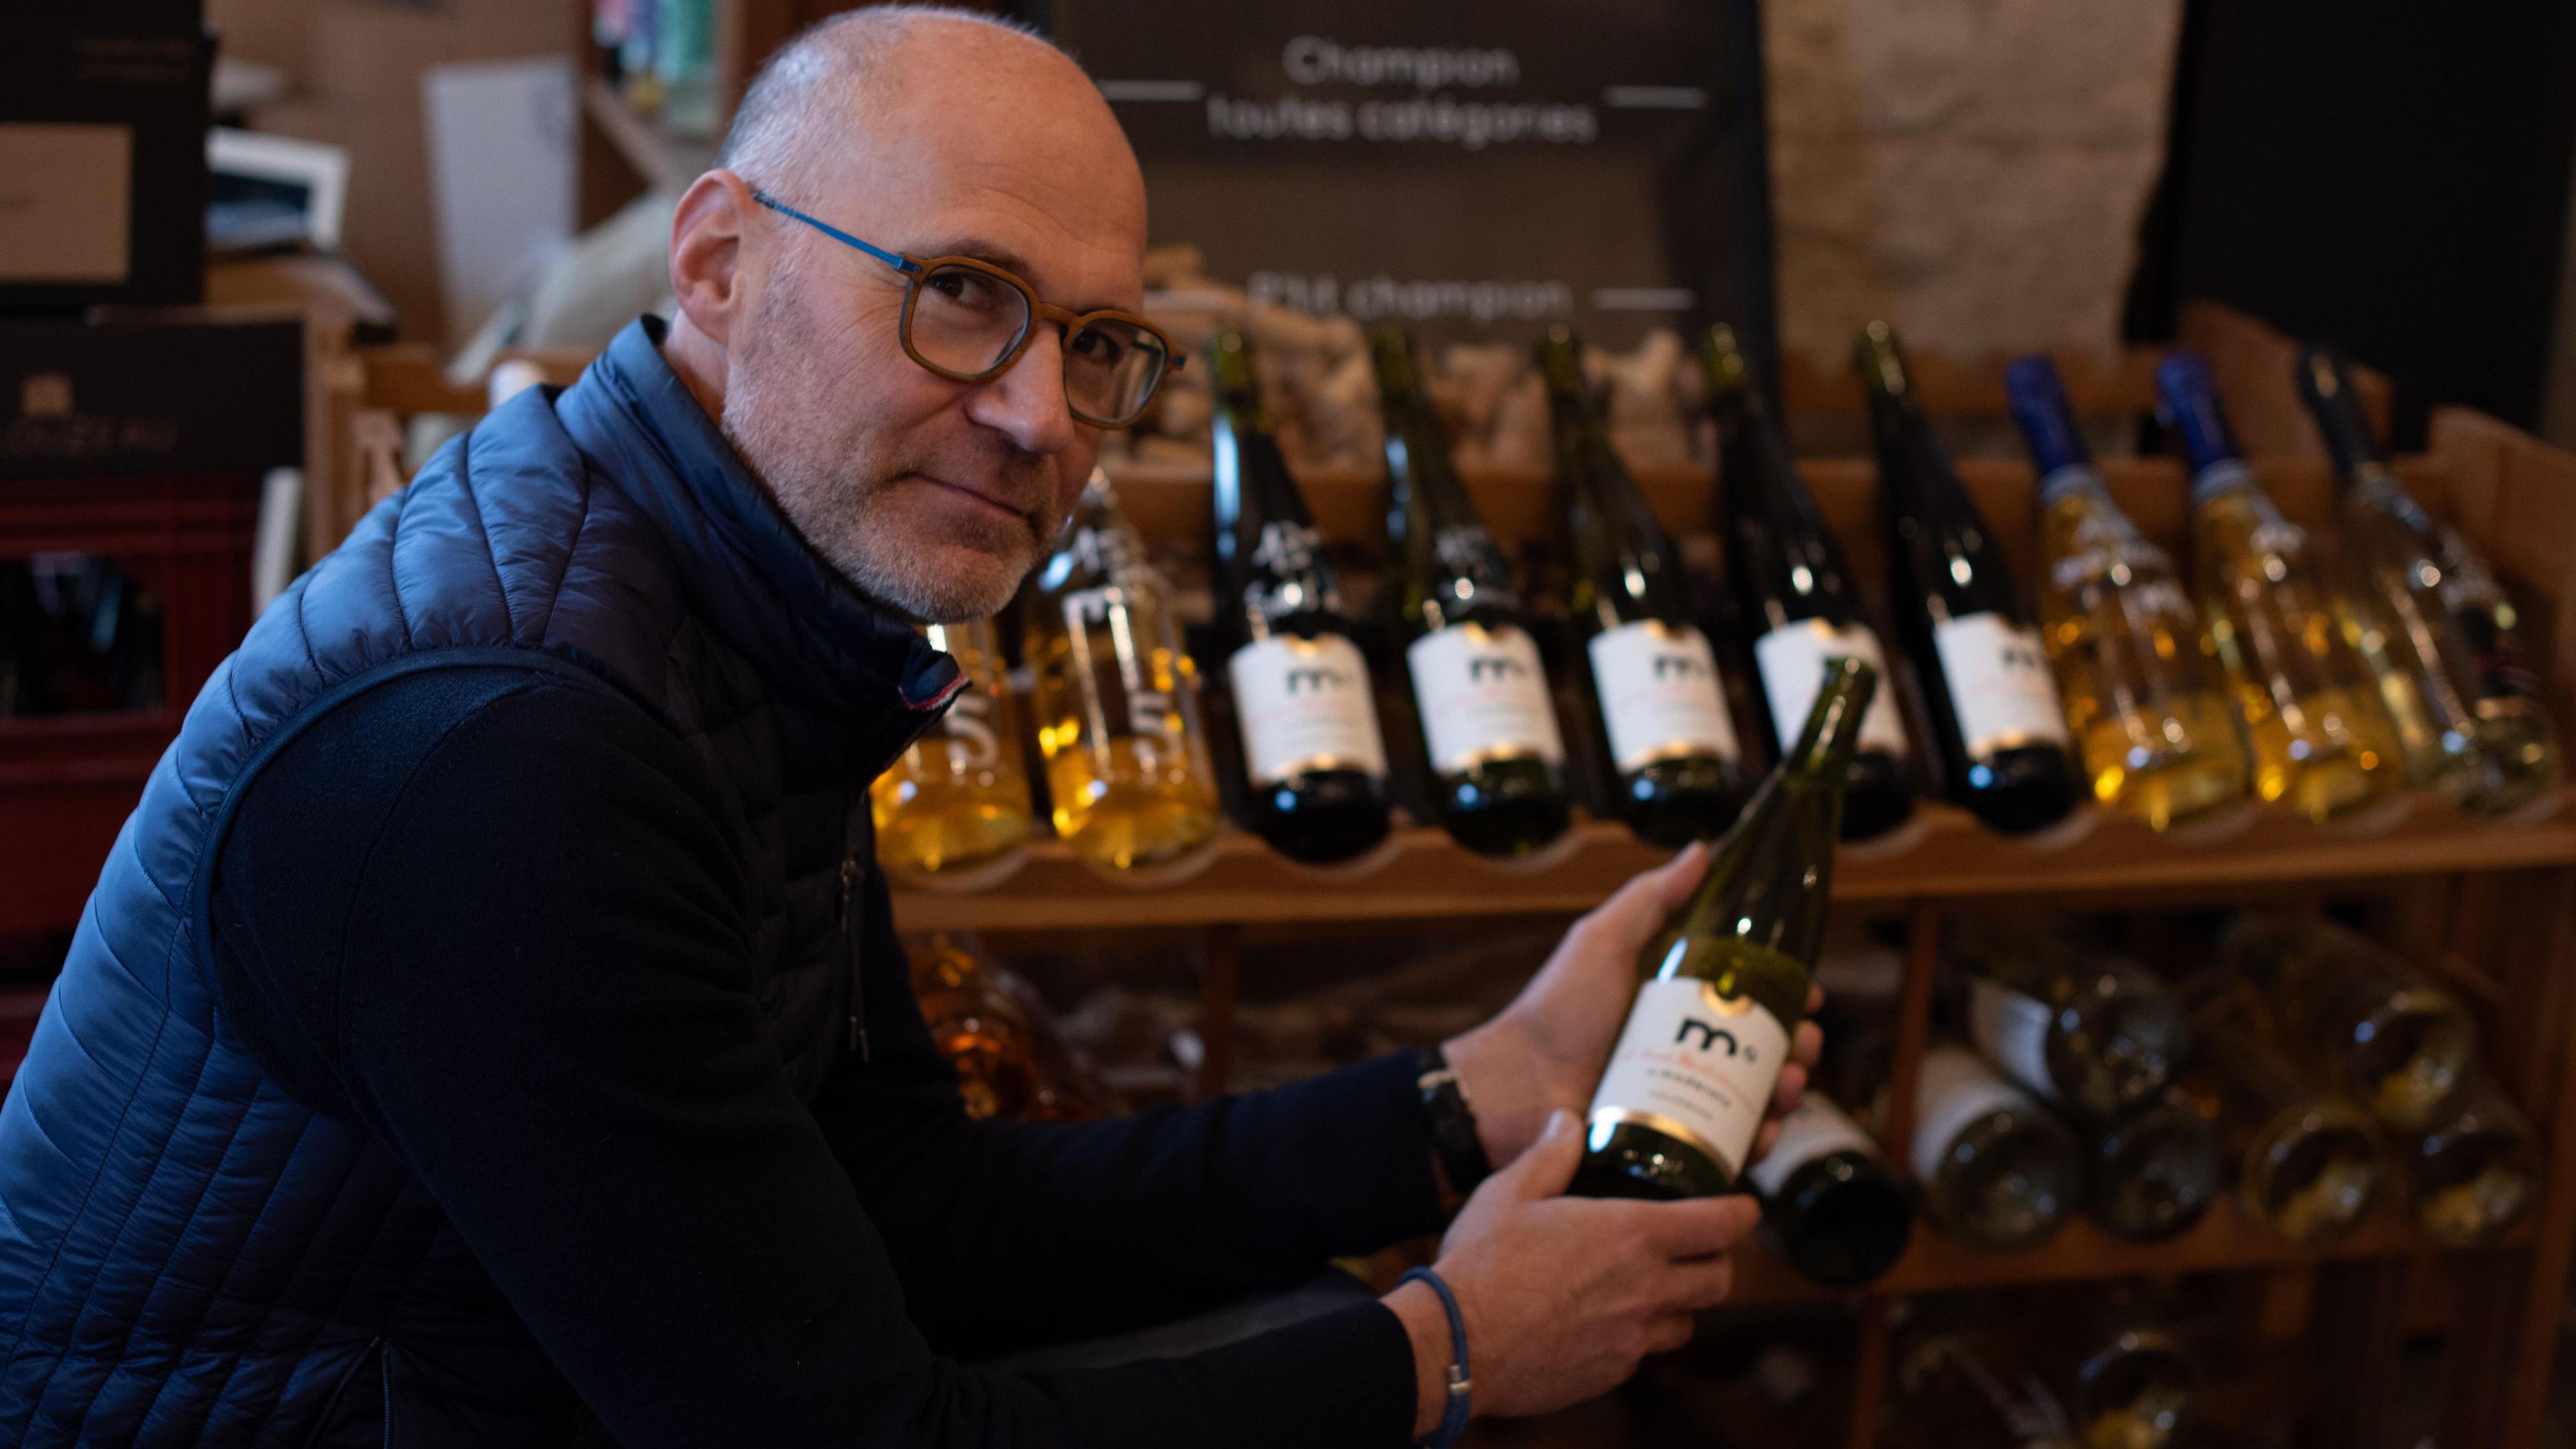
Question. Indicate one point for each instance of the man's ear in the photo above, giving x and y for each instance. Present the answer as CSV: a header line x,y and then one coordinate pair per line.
x,y
708,252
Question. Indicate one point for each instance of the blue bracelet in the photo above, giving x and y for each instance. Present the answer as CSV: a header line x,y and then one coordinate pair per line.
x,y
1453,1423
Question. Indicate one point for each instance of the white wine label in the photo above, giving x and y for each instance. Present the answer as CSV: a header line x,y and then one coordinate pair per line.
x,y
1659,694
1816,1127
1792,659
1999,684
1953,1090
2012,1030
1696,1065
1304,705
1483,697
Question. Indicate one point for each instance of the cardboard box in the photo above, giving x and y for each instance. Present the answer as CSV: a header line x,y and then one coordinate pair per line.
x,y
150,398
103,156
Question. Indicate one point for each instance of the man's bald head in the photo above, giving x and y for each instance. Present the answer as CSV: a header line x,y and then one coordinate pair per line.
x,y
923,131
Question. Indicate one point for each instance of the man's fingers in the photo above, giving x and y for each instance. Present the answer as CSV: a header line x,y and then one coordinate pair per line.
x,y
1809,1045
1785,1092
1547,1165
1669,1331
1815,998
1700,1284
1638,908
1766,1138
1699,1226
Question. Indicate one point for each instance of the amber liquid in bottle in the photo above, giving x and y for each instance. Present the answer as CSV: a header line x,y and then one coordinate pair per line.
x,y
2148,709
2321,740
1117,699
958,798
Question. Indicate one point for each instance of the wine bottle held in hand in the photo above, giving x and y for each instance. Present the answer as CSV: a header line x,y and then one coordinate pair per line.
x,y
1315,761
1117,698
1796,592
2146,707
2321,741
1992,705
1655,681
957,799
1497,757
1688,1082
2437,629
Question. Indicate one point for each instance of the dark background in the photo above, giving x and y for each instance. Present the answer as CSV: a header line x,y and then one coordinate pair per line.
x,y
2392,178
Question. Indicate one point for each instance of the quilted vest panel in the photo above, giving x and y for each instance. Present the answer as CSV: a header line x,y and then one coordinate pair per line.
x,y
186,1254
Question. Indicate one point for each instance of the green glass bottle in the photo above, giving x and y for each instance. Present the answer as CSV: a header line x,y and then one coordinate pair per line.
x,y
1677,1111
1314,763
1672,747
1497,757
2438,631
1800,600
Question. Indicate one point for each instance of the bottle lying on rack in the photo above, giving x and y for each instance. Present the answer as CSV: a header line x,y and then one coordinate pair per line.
x,y
2475,1171
1497,757
958,797
1655,682
1967,1385
1313,758
2308,1163
1796,592
2098,1034
2153,724
1993,709
1677,1110
1828,1200
2381,1031
2321,742
1997,1169
1117,698
1010,1058
2154,1172
2128,1381
2436,628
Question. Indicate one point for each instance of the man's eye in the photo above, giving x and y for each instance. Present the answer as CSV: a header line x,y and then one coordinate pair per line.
x,y
1094,345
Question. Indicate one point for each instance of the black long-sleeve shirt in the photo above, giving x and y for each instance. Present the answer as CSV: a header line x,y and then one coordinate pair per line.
x,y
492,918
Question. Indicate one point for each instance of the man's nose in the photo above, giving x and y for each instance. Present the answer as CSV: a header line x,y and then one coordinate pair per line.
x,y
1027,400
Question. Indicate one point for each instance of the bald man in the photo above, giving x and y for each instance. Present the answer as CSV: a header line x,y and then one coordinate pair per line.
x,y
489,1027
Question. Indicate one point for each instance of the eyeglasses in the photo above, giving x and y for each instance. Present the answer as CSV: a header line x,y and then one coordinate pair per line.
x,y
968,320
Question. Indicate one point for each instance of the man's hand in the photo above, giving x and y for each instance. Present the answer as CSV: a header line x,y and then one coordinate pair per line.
x,y
1545,1052
1563,1295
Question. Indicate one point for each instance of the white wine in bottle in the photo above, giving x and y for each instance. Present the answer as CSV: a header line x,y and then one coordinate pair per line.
x,y
1117,698
2383,1032
2476,1171
2095,1033
1677,1111
958,798
2308,1163
2154,1172
1997,1169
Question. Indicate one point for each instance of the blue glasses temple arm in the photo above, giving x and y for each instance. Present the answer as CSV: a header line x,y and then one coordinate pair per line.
x,y
895,260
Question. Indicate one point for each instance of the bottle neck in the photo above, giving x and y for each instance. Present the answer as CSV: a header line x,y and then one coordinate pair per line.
x,y
2071,480
2219,479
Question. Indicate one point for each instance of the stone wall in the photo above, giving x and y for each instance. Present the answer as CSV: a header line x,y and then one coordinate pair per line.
x,y
1971,170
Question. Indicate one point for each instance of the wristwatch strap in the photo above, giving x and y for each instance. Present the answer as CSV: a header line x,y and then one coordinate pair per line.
x,y
1461,1153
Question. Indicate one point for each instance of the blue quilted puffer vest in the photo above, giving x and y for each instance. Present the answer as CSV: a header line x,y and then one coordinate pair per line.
x,y
187,1255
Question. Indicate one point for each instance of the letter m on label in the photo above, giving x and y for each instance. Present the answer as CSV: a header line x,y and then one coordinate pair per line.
x,y
1709,1036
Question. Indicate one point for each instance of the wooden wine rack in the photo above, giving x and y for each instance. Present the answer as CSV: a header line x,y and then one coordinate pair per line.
x,y
2492,904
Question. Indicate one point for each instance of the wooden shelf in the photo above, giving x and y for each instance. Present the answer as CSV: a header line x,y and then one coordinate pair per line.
x,y
666,164
1943,854
2224,1241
